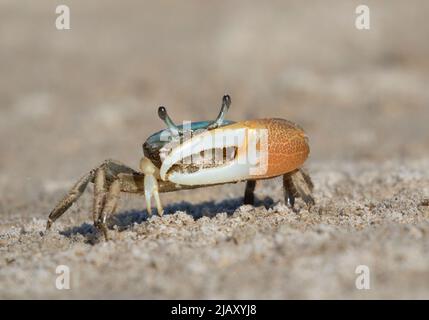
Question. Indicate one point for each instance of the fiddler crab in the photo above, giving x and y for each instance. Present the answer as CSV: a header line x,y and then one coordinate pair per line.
x,y
200,154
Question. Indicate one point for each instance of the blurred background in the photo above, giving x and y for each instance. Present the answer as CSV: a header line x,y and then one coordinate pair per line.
x,y
71,98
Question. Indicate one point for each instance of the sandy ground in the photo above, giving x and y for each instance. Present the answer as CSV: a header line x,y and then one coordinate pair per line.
x,y
70,99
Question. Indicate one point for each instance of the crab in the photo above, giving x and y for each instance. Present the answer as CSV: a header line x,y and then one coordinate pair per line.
x,y
200,154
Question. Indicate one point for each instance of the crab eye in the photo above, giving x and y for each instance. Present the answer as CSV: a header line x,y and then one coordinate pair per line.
x,y
162,113
226,102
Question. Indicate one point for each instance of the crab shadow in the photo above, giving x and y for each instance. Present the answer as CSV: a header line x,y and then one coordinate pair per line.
x,y
124,220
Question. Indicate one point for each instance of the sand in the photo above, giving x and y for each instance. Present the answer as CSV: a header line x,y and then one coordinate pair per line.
x,y
70,99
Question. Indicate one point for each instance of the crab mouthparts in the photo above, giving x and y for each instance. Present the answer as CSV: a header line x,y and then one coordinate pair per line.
x,y
212,157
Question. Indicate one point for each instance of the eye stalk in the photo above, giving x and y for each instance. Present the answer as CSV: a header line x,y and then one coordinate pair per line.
x,y
162,113
174,129
226,102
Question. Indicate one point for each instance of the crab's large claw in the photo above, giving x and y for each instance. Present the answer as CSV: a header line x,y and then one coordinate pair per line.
x,y
257,149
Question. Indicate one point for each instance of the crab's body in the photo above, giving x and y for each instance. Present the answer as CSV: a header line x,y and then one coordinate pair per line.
x,y
202,154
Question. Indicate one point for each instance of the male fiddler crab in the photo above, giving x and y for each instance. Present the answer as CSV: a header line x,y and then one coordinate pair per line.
x,y
201,154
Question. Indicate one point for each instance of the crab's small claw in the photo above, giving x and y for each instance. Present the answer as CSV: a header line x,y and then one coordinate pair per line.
x,y
151,185
151,189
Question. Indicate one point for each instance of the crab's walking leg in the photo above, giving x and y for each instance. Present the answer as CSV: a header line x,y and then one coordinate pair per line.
x,y
101,176
289,190
249,196
99,193
70,198
298,184
109,208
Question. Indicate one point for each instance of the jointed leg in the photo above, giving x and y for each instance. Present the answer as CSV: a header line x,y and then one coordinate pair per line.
x,y
298,184
109,208
99,193
70,198
249,196
102,176
289,190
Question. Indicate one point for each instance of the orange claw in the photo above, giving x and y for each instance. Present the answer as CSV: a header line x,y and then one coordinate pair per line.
x,y
265,148
287,145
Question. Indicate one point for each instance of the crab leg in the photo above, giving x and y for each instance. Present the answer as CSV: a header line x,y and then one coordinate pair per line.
x,y
74,194
99,193
105,174
249,196
109,207
298,184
